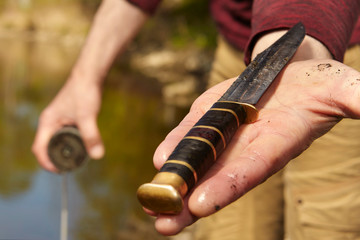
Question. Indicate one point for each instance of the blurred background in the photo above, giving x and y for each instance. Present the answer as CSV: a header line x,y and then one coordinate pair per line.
x,y
147,92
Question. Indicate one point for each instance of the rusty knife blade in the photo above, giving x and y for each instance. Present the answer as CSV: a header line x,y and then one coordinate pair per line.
x,y
257,77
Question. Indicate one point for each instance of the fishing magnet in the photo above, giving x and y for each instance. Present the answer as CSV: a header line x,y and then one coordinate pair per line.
x,y
66,149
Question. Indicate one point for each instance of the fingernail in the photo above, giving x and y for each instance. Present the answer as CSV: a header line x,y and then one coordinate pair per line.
x,y
97,152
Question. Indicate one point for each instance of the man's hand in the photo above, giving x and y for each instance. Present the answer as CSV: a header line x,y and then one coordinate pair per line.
x,y
77,104
306,100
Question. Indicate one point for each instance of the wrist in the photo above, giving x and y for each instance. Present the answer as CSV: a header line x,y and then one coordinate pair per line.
x,y
87,76
310,48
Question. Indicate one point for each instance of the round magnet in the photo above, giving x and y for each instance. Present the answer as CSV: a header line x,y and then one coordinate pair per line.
x,y
67,150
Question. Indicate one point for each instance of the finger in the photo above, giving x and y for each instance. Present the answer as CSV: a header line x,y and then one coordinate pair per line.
x,y
172,224
39,147
90,133
150,212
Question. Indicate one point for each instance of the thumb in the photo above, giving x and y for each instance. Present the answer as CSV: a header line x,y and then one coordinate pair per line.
x,y
90,133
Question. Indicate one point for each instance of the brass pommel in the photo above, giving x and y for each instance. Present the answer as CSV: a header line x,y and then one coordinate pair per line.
x,y
164,194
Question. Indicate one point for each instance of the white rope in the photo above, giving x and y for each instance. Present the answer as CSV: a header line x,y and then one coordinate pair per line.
x,y
64,209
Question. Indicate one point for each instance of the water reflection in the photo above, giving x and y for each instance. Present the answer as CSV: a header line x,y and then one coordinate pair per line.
x,y
102,201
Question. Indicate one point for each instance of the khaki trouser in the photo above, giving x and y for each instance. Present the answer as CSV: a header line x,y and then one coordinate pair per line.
x,y
317,196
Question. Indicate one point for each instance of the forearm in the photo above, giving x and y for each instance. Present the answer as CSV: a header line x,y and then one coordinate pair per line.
x,y
79,100
330,22
115,24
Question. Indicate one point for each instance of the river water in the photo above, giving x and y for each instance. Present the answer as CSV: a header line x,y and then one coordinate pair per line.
x,y
102,195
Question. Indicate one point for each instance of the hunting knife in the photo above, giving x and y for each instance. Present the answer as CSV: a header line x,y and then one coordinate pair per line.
x,y
208,138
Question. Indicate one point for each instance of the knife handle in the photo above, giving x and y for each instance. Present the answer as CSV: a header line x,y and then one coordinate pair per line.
x,y
194,155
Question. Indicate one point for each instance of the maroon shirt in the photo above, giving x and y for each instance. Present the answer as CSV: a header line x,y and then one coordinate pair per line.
x,y
333,22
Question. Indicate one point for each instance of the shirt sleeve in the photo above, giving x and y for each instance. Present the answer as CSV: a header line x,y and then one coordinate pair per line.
x,y
148,6
331,22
